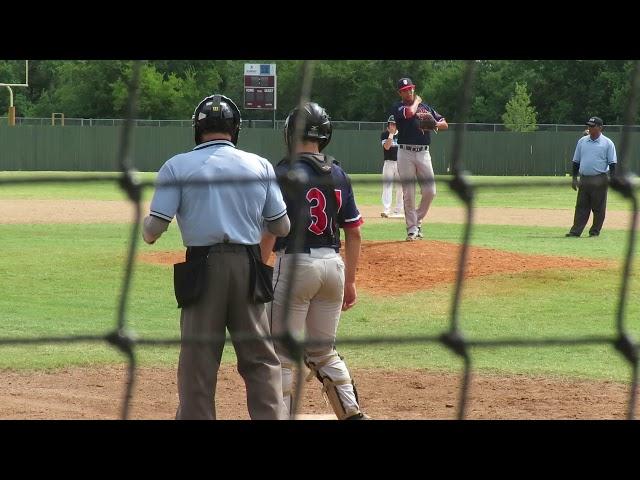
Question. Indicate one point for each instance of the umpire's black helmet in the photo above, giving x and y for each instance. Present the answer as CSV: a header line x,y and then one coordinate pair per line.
x,y
216,113
316,126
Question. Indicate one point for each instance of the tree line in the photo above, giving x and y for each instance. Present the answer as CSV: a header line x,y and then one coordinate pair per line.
x,y
554,91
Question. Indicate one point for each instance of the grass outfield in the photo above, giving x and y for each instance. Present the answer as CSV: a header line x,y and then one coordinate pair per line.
x,y
60,280
558,194
64,280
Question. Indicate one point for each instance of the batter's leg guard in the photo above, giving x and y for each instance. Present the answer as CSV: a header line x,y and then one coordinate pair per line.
x,y
337,385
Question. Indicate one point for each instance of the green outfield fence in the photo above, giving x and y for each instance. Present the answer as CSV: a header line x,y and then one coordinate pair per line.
x,y
95,147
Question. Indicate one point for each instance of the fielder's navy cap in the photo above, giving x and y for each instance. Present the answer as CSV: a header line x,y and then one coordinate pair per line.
x,y
405,84
391,119
595,122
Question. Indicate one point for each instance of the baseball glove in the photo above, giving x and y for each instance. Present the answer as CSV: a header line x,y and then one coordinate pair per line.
x,y
426,121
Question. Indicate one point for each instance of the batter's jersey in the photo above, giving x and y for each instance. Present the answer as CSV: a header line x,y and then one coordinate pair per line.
x,y
320,219
392,153
216,213
595,156
409,132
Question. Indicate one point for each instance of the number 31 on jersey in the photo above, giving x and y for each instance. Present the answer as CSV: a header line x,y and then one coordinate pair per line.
x,y
319,219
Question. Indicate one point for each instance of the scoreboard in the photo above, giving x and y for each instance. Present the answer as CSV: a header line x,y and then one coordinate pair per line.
x,y
260,86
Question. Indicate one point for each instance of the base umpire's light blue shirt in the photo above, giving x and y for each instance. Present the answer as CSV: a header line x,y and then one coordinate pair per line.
x,y
215,213
594,156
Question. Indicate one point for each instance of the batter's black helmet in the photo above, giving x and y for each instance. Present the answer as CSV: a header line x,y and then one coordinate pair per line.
x,y
316,126
216,113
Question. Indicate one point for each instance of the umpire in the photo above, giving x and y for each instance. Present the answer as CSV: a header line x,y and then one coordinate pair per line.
x,y
595,156
221,226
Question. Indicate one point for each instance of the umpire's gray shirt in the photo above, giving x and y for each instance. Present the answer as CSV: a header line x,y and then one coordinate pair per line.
x,y
209,214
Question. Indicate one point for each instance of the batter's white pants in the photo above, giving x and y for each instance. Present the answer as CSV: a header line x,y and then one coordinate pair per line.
x,y
389,176
416,165
315,306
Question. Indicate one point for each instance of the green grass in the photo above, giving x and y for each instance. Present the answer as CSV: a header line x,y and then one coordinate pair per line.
x,y
66,280
611,244
556,195
93,190
62,280
499,307
542,304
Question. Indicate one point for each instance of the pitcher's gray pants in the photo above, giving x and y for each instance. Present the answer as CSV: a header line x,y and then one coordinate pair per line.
x,y
416,165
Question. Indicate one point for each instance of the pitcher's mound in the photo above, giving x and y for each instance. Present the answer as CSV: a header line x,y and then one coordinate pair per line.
x,y
391,268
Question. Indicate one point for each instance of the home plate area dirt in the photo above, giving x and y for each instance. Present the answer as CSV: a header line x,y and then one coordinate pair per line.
x,y
97,393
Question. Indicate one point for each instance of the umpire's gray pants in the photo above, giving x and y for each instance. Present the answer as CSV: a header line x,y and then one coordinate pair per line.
x,y
411,166
226,304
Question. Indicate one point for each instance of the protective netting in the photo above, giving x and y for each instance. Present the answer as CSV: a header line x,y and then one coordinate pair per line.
x,y
453,338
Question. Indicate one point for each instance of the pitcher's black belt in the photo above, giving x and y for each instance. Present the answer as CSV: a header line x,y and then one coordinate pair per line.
x,y
414,148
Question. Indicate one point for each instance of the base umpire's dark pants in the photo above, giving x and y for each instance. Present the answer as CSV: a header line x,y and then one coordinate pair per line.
x,y
592,196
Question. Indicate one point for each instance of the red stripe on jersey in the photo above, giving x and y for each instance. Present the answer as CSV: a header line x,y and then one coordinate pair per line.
x,y
339,198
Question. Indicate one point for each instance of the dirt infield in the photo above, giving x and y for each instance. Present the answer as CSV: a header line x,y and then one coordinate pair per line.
x,y
96,393
95,211
539,217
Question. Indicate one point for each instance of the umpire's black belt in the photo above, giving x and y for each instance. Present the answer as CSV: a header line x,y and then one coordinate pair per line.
x,y
196,252
414,148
